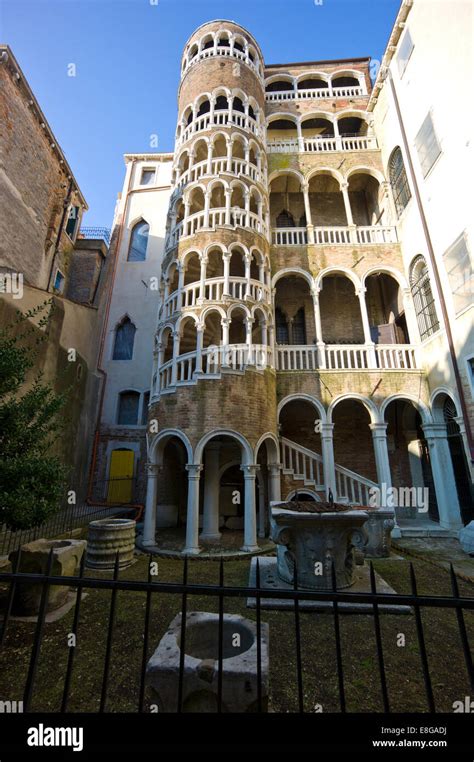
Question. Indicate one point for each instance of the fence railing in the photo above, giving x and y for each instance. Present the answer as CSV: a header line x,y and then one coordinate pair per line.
x,y
184,591
63,522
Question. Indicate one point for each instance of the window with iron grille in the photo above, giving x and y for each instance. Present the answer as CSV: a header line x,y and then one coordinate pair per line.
x,y
458,264
399,180
138,242
298,328
128,408
423,299
124,340
427,145
282,334
285,220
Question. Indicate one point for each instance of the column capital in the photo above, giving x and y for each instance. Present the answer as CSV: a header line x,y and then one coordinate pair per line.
x,y
194,470
153,469
379,429
225,321
360,291
434,430
327,429
275,468
344,185
200,328
250,471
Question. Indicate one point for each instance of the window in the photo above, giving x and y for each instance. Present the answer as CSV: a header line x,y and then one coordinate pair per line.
x,y
458,264
146,401
285,220
148,177
404,52
298,328
124,340
282,334
59,282
423,299
72,221
427,145
128,408
138,242
399,180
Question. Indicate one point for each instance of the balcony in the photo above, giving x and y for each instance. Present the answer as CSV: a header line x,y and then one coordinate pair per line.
x,y
355,91
219,166
393,357
334,236
322,144
238,288
219,118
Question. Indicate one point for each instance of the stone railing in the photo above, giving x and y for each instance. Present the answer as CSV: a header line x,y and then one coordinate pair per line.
x,y
336,235
233,217
316,93
219,166
224,52
322,144
220,118
238,288
347,357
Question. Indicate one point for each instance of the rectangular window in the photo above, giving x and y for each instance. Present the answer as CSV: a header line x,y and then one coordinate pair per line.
x,y
458,264
148,177
404,52
427,145
72,221
470,368
59,282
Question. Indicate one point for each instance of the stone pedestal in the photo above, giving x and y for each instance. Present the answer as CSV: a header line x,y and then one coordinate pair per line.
x,y
34,559
315,542
466,538
106,538
201,666
378,528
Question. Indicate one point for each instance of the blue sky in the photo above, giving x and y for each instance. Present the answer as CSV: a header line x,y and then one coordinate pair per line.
x,y
127,55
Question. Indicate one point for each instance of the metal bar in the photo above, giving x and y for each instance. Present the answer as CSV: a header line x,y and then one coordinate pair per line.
x,y
298,644
38,637
462,629
72,649
182,644
434,601
337,632
141,702
11,594
378,640
108,649
421,642
221,637
259,636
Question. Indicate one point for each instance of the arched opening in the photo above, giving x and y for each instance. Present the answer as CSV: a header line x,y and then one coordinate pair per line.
x,y
341,320
237,262
294,311
172,486
238,326
259,328
192,272
238,148
223,40
410,462
344,80
352,126
200,151
282,129
204,107
188,336
317,127
385,309
196,200
167,345
326,201
268,482
444,411
279,86
286,201
353,447
298,426
221,104
207,42
365,198
212,330
173,275
217,200
215,265
219,147
312,83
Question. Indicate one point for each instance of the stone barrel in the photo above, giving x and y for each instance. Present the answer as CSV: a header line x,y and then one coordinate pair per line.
x,y
105,538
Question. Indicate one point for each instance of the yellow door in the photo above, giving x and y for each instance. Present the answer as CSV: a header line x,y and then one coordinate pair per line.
x,y
120,476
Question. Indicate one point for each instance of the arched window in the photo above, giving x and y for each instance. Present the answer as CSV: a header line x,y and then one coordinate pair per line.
x,y
285,220
138,242
282,334
124,339
423,299
399,180
128,408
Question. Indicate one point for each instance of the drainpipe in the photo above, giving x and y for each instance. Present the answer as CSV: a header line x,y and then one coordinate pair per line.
x,y
100,369
60,230
436,274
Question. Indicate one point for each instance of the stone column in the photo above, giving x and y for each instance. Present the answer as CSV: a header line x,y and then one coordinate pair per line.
x,y
229,155
226,259
247,159
192,520
149,524
209,157
274,482
318,328
261,507
247,262
202,283
327,447
199,342
247,208
225,323
382,463
443,476
187,206
371,358
300,137
228,195
307,210
207,205
210,521
250,519
181,274
338,140
347,203
174,367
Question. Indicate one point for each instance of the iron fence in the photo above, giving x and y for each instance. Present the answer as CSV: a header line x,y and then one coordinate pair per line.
x,y
185,590
61,523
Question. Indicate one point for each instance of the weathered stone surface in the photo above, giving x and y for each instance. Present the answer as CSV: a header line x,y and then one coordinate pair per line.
x,y
34,558
108,537
314,542
201,666
379,532
466,538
